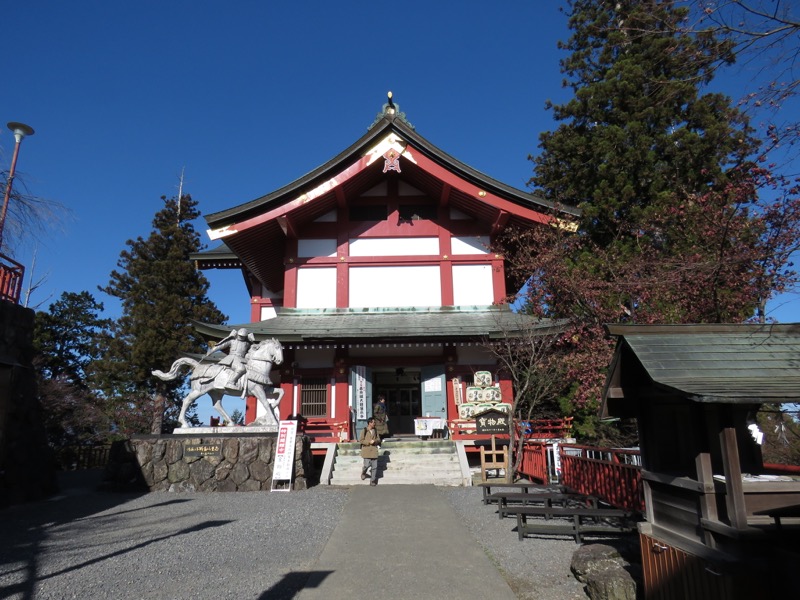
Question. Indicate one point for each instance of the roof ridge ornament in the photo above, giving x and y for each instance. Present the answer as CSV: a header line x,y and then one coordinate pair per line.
x,y
391,111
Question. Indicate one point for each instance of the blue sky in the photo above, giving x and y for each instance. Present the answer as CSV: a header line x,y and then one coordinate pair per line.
x,y
245,97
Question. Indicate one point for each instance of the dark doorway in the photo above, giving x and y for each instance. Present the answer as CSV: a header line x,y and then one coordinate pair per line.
x,y
402,406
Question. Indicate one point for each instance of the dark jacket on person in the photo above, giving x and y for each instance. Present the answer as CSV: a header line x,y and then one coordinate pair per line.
x,y
381,418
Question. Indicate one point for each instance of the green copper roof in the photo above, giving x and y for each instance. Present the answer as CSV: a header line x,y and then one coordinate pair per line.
x,y
391,324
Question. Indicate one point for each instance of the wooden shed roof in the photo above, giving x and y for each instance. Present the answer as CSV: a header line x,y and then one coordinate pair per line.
x,y
742,363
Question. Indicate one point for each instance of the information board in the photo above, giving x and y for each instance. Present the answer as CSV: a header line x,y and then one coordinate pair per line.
x,y
284,452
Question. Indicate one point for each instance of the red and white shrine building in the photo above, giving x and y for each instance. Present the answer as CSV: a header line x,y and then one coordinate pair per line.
x,y
375,272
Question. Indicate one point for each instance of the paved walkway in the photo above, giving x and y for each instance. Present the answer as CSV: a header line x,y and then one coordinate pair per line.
x,y
431,554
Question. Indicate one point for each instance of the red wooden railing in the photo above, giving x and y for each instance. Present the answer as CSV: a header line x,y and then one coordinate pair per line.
x,y
11,275
534,462
614,476
545,429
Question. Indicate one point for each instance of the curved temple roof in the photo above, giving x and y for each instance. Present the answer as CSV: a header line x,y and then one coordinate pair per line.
x,y
256,231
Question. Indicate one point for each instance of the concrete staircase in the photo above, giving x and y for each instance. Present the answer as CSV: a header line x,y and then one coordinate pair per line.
x,y
440,462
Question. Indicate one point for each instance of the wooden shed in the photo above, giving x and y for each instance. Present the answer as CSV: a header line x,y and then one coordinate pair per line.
x,y
719,523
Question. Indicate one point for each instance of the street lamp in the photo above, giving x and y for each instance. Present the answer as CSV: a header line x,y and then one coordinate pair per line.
x,y
20,131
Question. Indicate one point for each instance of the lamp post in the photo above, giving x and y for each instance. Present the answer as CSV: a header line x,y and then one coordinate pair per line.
x,y
20,130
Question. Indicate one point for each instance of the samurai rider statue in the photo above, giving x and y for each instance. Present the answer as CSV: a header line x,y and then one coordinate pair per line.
x,y
237,343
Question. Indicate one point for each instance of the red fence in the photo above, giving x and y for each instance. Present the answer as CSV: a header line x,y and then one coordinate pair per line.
x,y
11,275
614,476
534,462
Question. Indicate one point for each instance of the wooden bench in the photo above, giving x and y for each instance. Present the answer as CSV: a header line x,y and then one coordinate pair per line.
x,y
525,487
577,521
546,499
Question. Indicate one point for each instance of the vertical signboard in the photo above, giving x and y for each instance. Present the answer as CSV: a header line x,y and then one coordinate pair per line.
x,y
360,389
284,454
361,397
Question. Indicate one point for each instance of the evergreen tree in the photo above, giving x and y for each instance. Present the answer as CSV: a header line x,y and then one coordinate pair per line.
x,y
161,294
637,130
65,341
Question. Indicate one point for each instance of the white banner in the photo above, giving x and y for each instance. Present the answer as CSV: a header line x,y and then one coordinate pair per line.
x,y
284,453
360,385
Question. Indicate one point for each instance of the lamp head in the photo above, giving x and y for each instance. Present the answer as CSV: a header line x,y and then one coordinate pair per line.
x,y
20,130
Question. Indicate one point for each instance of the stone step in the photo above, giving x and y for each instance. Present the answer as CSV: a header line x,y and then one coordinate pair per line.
x,y
432,479
404,458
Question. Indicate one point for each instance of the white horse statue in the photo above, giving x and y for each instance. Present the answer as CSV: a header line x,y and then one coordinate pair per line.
x,y
214,379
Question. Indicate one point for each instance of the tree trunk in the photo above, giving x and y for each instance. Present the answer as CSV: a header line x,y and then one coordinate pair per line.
x,y
158,414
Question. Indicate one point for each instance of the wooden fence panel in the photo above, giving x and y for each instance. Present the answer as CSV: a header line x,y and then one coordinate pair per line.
x,y
611,478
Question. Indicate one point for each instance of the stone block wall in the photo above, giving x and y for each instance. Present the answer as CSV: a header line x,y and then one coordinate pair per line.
x,y
27,470
229,463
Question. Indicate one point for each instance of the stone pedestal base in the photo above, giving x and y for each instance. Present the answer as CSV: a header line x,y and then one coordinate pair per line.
x,y
226,431
229,462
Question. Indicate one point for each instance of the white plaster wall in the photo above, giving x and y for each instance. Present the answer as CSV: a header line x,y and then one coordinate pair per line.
x,y
472,285
316,247
428,246
268,312
478,244
316,287
372,287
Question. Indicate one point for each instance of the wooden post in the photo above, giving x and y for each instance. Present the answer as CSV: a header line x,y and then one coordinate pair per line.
x,y
734,497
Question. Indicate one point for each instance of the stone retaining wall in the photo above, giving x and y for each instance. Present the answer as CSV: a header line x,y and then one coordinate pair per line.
x,y
222,463
27,470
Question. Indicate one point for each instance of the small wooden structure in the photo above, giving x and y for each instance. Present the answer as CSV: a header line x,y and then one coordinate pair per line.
x,y
712,507
494,458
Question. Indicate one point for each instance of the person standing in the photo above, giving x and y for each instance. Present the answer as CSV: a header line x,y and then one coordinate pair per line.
x,y
369,441
381,418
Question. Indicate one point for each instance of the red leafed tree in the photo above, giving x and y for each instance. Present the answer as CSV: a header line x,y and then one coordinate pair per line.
x,y
712,257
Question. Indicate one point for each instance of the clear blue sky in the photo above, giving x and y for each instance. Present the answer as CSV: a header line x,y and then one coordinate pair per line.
x,y
246,96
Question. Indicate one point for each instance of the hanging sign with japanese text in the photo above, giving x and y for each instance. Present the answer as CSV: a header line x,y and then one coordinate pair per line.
x,y
492,422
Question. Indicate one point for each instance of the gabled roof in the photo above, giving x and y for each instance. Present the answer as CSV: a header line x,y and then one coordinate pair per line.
x,y
256,231
744,363
425,325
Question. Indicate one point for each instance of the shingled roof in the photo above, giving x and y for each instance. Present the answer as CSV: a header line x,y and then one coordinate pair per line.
x,y
742,363
395,325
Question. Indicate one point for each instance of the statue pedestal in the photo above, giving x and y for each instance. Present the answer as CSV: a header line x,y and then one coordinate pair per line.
x,y
234,430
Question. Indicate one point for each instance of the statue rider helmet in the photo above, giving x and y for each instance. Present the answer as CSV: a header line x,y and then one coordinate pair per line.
x,y
242,333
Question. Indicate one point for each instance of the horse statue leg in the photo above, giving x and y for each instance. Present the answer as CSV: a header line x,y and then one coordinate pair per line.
x,y
277,402
269,418
216,398
187,402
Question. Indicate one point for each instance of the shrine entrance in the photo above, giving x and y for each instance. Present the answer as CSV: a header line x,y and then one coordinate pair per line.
x,y
402,406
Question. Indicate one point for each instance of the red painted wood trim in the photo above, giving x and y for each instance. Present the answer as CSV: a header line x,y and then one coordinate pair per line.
x,y
498,280
342,285
460,184
322,189
446,282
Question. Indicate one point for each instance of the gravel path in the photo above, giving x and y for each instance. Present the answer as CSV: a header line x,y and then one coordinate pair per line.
x,y
536,567
86,545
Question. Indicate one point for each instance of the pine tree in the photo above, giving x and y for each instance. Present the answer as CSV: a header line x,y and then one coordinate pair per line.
x,y
65,341
161,294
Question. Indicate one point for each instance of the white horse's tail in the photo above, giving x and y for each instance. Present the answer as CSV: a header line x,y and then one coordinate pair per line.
x,y
173,372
